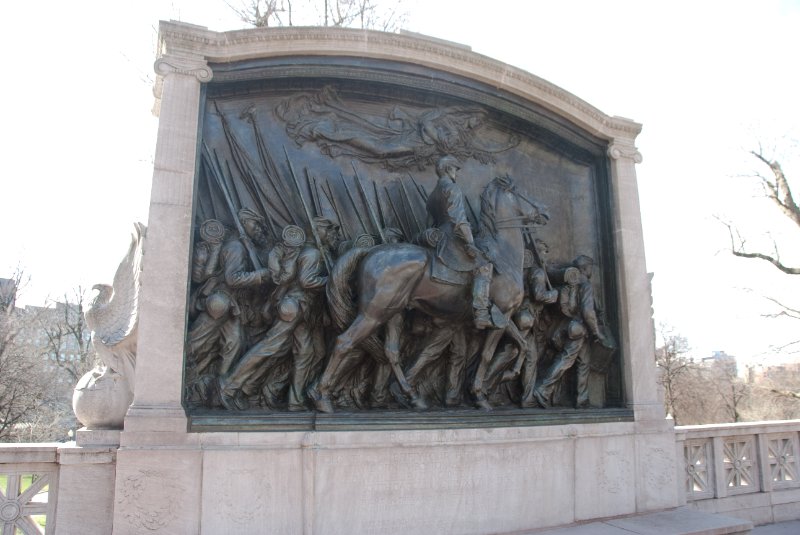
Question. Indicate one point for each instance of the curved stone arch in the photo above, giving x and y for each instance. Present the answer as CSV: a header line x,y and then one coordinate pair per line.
x,y
189,41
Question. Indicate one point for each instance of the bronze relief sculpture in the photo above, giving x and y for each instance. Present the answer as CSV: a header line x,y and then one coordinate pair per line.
x,y
354,254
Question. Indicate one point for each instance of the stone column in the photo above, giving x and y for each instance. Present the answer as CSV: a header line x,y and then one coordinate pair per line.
x,y
656,481
634,286
162,307
85,490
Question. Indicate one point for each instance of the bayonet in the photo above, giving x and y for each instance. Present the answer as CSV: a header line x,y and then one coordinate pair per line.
x,y
370,209
353,202
332,201
229,201
420,228
322,250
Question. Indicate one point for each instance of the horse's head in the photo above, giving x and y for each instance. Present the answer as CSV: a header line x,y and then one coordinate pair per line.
x,y
502,206
541,213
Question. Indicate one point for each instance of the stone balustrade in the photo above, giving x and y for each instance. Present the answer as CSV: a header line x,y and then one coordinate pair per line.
x,y
35,484
748,470
28,487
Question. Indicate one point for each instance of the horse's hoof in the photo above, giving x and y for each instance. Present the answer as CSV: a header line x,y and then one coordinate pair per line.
x,y
480,400
235,401
321,403
483,404
509,376
419,403
452,401
541,400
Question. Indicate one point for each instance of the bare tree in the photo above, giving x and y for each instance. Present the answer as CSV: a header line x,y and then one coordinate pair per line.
x,y
732,392
68,337
775,395
25,384
778,191
384,15
262,13
673,364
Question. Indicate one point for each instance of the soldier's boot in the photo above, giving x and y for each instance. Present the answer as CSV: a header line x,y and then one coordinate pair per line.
x,y
480,297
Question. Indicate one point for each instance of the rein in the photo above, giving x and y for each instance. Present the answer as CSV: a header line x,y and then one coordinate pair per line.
x,y
508,222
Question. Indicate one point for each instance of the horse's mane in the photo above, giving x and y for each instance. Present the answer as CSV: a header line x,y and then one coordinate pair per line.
x,y
488,219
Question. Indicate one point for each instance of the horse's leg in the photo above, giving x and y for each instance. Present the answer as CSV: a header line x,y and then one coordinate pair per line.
x,y
392,349
361,327
489,345
522,342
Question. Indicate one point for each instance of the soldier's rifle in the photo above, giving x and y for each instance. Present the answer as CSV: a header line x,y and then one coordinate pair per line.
x,y
370,209
269,168
322,249
218,176
405,195
378,201
353,202
407,234
420,188
332,201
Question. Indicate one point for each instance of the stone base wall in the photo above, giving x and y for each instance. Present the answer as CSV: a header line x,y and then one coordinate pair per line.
x,y
455,481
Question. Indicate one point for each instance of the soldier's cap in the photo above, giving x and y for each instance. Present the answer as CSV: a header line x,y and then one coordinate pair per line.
x,y
293,236
393,233
583,260
572,276
527,261
212,231
246,214
446,161
324,222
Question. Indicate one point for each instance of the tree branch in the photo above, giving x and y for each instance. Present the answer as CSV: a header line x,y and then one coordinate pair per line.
x,y
738,250
779,191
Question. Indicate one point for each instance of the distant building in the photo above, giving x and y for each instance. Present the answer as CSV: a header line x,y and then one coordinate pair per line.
x,y
775,373
8,294
721,359
51,333
51,346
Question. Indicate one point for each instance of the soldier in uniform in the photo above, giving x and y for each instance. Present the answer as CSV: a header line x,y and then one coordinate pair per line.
x,y
228,280
576,302
539,293
298,270
456,249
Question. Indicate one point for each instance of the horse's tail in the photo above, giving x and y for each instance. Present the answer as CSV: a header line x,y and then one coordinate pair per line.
x,y
341,292
341,288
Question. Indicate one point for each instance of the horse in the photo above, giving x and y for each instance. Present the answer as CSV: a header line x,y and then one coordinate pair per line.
x,y
392,278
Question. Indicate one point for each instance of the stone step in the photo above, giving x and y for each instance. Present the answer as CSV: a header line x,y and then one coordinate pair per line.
x,y
680,521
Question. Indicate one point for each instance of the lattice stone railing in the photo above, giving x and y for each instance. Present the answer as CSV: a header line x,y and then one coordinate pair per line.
x,y
729,459
28,488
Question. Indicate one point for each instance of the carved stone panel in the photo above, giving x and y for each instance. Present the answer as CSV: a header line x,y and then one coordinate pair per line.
x,y
372,237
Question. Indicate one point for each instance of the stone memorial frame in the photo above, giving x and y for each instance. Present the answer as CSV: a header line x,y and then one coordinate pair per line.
x,y
351,478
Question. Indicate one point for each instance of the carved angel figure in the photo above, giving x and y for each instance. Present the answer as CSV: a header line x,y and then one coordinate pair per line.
x,y
402,139
114,313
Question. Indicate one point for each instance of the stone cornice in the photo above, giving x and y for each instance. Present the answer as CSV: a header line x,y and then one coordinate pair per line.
x,y
180,39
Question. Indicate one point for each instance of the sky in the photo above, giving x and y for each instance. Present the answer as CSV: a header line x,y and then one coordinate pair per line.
x,y
709,81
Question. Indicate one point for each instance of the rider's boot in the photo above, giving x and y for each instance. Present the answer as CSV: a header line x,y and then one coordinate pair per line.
x,y
322,401
480,297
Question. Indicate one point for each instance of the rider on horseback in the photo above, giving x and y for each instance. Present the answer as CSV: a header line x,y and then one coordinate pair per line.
x,y
456,249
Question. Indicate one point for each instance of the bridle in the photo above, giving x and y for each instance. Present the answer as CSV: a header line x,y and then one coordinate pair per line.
x,y
511,222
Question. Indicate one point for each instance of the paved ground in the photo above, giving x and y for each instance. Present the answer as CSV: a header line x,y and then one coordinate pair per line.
x,y
781,528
